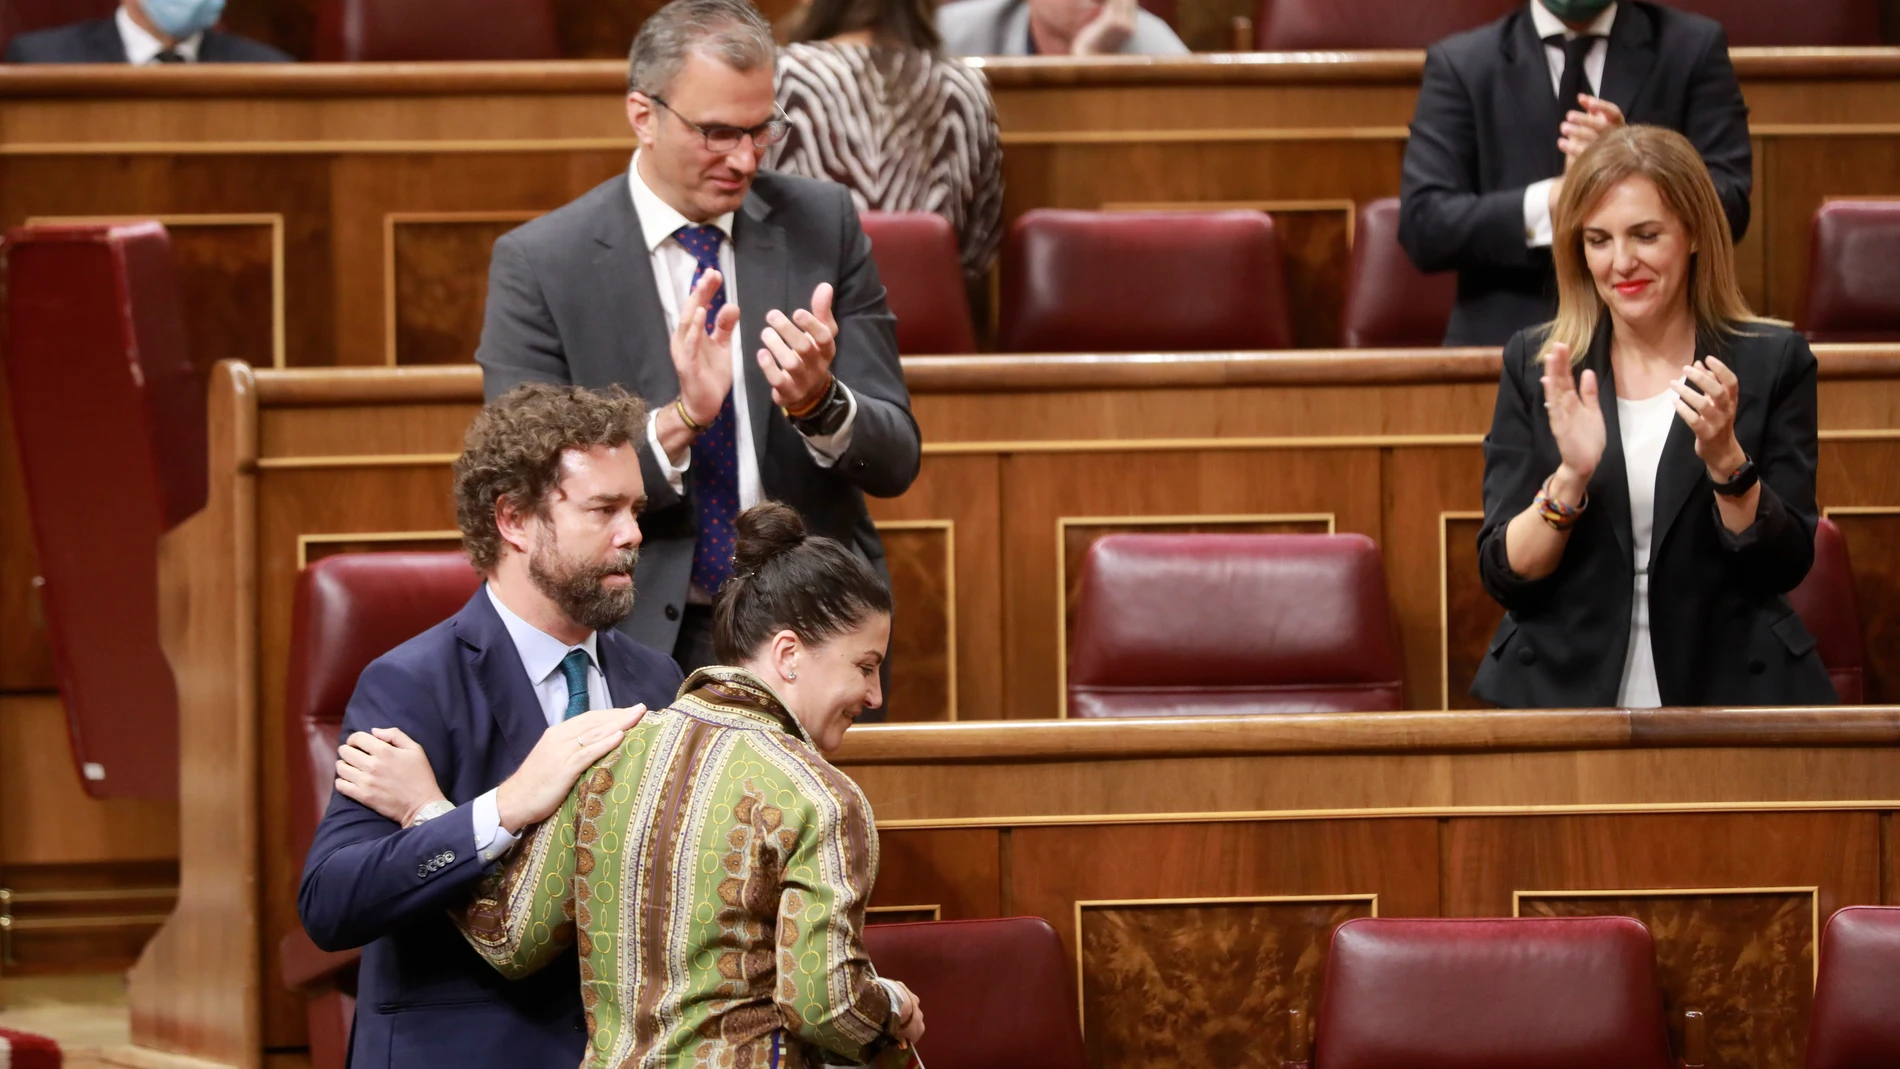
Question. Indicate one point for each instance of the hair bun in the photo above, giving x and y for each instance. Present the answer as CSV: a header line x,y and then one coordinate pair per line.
x,y
765,531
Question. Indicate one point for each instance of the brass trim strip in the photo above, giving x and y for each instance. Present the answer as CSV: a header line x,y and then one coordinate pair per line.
x,y
365,460
1385,813
949,529
367,147
391,220
305,541
274,220
1063,523
43,924
10,896
936,911
1813,893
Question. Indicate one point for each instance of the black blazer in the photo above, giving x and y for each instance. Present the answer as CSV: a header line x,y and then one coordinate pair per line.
x,y
1720,628
98,41
1486,127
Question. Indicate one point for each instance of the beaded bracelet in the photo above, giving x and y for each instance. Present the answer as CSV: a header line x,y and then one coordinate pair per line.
x,y
1559,515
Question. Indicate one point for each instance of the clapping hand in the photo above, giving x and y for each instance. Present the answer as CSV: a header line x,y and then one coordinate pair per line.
x,y
1710,413
703,361
799,350
1570,404
1581,129
1109,30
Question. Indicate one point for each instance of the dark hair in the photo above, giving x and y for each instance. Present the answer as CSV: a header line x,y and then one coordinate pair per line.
x,y
732,30
784,579
904,23
513,453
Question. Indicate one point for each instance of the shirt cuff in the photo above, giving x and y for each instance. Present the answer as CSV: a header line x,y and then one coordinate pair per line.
x,y
491,840
825,449
1537,232
675,476
897,1001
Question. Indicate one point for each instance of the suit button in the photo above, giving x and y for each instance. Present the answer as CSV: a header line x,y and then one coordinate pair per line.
x,y
422,872
672,612
448,857
1526,655
1756,666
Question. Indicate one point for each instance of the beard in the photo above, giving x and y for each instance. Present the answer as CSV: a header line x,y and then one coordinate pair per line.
x,y
577,588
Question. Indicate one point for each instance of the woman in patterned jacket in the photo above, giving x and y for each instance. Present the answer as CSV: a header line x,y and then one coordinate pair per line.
x,y
715,867
876,107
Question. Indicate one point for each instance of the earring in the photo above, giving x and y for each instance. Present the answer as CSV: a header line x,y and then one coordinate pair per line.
x,y
791,675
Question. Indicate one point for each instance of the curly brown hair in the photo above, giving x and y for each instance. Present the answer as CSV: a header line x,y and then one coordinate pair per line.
x,y
513,453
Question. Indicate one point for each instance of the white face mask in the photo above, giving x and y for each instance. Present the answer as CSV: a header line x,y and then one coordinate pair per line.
x,y
182,18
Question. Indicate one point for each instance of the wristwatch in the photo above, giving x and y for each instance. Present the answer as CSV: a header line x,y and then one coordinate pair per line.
x,y
429,812
1740,481
827,416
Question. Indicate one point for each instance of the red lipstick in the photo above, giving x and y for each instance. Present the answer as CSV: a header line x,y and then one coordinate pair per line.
x,y
1632,288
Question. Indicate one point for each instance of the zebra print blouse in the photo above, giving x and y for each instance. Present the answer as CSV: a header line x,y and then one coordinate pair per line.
x,y
904,130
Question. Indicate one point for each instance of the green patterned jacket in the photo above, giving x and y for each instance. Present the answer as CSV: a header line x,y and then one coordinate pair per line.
x,y
716,868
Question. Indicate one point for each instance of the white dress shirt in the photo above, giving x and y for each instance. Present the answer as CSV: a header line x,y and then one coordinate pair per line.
x,y
541,654
1537,228
1643,427
673,269
141,48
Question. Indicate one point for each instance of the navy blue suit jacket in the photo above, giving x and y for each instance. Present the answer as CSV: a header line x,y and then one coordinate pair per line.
x,y
423,997
98,41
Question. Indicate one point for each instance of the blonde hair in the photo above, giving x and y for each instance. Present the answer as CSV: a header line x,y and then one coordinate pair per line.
x,y
1667,159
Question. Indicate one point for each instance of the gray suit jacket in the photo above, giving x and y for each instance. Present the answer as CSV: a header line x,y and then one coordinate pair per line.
x,y
1001,28
571,299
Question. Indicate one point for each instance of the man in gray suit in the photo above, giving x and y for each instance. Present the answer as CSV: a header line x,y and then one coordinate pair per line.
x,y
659,279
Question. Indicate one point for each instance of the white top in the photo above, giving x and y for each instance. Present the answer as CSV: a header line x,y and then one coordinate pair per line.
x,y
673,269
1537,194
142,48
541,654
1645,427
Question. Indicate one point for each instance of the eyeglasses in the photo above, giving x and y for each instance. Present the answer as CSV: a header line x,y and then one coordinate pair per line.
x,y
722,138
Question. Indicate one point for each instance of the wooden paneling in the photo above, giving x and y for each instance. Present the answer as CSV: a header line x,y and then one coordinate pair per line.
x,y
1873,549
1471,617
437,283
922,559
46,817
956,870
86,917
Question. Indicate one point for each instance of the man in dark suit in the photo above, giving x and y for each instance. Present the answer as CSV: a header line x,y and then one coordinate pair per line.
x,y
144,32
1505,107
465,735
660,279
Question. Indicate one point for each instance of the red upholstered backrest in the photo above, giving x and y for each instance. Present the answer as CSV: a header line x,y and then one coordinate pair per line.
x,y
25,16
916,254
349,610
1304,25
1213,624
996,994
1779,23
1855,1023
1389,303
368,31
1503,993
1831,611
110,419
1853,272
1107,282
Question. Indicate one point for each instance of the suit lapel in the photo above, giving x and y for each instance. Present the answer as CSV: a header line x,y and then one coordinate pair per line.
x,y
501,677
1610,489
1631,55
1530,81
1681,471
764,284
623,278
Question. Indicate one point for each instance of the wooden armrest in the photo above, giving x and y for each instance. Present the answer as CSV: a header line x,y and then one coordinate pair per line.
x,y
1243,33
1695,1040
306,967
1299,1039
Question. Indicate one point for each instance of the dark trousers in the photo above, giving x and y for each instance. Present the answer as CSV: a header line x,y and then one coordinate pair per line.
x,y
694,650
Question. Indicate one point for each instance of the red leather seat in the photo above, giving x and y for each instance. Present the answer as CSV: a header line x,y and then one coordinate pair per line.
x,y
996,994
371,31
349,610
1766,23
1503,993
917,259
25,16
1854,1025
1218,624
1831,611
1389,303
96,339
1116,282
1307,25
1853,272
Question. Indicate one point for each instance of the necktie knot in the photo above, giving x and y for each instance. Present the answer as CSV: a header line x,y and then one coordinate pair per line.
x,y
574,669
703,242
169,56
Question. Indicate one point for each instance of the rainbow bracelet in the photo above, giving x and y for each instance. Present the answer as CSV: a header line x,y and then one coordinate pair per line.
x,y
1560,516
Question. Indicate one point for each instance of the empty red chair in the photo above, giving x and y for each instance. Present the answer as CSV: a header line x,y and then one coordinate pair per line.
x,y
1831,611
917,259
109,414
1767,23
1389,303
1853,272
1855,1024
1308,25
1502,993
1116,282
996,994
1219,624
371,31
349,610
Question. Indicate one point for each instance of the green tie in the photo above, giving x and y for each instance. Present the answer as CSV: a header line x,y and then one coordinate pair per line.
x,y
574,667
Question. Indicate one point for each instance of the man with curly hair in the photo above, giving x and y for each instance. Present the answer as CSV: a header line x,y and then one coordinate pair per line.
x,y
478,727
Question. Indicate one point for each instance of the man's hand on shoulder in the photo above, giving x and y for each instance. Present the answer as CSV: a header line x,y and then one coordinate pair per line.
x,y
565,751
387,772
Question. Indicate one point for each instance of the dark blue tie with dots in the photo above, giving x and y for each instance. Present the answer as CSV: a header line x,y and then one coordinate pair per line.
x,y
715,451
574,667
